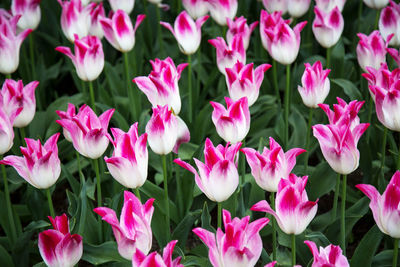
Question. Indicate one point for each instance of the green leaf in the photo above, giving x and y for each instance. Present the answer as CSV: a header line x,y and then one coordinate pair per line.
x,y
104,253
183,229
5,258
321,182
206,219
366,249
349,88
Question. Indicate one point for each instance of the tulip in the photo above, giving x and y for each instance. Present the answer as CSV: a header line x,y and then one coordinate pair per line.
x,y
119,31
281,41
293,210
88,59
376,4
69,114
297,8
88,132
272,165
239,26
218,177
161,86
128,164
58,247
328,5
221,10
381,77
195,8
10,42
29,10
16,95
329,256
242,81
6,128
240,245
133,231
343,111
39,165
75,18
228,55
371,50
125,5
395,54
155,260
389,23
186,32
96,14
327,26
276,6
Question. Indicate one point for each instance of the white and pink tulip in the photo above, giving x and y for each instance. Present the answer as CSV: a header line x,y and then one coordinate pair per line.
x,y
221,10
371,50
125,5
239,26
327,256
195,8
275,6
328,5
297,8
389,23
6,128
327,26
96,14
343,111
30,13
155,260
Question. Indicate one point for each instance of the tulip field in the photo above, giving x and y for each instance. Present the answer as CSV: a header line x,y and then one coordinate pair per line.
x,y
171,133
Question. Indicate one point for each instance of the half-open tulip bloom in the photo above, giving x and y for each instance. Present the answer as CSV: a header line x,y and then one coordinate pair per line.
x,y
88,132
29,11
218,177
240,26
132,232
327,256
276,6
389,23
69,114
119,31
16,95
385,208
128,164
371,50
155,260
10,42
293,210
221,10
88,59
315,85
327,26
272,165
329,5
195,8
57,246
161,86
240,245
297,8
243,81
6,128
39,165
229,54
125,5
233,122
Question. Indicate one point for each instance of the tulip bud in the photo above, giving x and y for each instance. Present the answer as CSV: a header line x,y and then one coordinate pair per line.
x,y
329,256
389,23
327,27
371,50
297,8
125,5
220,10
195,8
155,260
239,26
376,4
29,11
328,5
276,6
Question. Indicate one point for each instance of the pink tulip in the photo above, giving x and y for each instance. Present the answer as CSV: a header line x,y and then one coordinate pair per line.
x,y
272,165
376,4
240,245
281,41
229,54
385,208
39,165
58,247
75,18
395,54
96,14
242,81
69,114
343,111
119,31
133,231
218,177
88,59
10,42
328,5
6,128
221,10
161,86
327,26
276,6
125,5
29,11
239,26
293,210
155,260
297,8
88,132
128,164
315,83
371,50
329,256
195,8
389,23
186,32
233,122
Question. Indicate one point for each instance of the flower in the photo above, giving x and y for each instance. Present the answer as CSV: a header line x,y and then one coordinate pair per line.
x,y
119,31
187,32
297,8
376,4
195,8
327,26
132,232
242,81
229,54
389,23
39,165
128,164
69,114
233,122
10,42
293,210
240,245
329,256
343,111
155,260
58,247
272,165
161,86
218,177
88,132
6,128
371,50
88,59
315,83
125,5
96,14
385,208
239,26
276,6
220,10
328,5
29,10
395,54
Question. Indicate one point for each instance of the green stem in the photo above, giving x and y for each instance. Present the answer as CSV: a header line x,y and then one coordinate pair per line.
x,y
10,213
167,223
137,193
328,57
336,197
310,117
293,236
50,201
383,151
23,135
378,12
91,91
190,88
219,214
272,199
287,96
98,181
32,56
398,159
343,216
8,76
275,80
395,252
179,189
133,99
159,33
79,167
370,105
81,225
